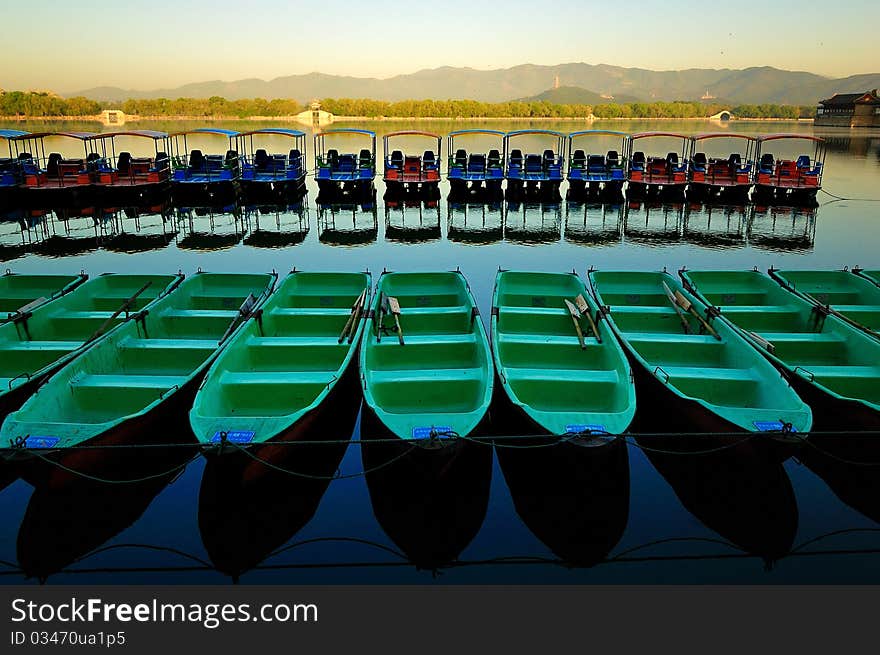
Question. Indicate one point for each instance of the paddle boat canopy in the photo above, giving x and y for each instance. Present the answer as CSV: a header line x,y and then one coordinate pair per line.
x,y
285,171
591,171
197,168
654,174
53,177
407,173
714,175
9,168
469,170
120,173
349,171
534,173
781,178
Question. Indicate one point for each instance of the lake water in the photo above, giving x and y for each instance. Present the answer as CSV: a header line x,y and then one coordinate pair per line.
x,y
633,517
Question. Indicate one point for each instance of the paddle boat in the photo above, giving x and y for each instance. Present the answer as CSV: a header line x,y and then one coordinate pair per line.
x,y
195,173
411,174
534,175
348,173
121,177
655,175
780,178
10,171
695,373
728,178
54,180
594,173
274,175
475,172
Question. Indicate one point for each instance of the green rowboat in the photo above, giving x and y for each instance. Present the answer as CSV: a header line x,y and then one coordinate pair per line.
x,y
37,342
551,380
433,376
716,382
873,276
277,373
852,298
22,293
834,366
128,388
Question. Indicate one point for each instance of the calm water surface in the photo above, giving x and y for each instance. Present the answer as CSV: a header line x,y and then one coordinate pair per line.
x,y
629,517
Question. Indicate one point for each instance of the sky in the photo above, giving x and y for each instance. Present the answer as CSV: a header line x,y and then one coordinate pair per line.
x,y
68,46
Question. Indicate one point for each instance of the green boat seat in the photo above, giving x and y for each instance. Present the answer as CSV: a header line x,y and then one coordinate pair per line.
x,y
543,339
207,345
310,311
159,382
706,373
84,315
286,342
827,372
276,377
563,375
200,313
420,375
59,346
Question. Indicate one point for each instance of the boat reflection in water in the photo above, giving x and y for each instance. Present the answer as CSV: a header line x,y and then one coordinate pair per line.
x,y
783,229
62,524
746,497
210,228
243,519
412,221
478,223
653,221
430,502
276,226
593,224
533,222
347,224
141,228
573,496
715,225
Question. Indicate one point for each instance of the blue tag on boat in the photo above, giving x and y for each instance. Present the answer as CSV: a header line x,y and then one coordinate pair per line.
x,y
577,429
769,426
234,436
41,442
438,431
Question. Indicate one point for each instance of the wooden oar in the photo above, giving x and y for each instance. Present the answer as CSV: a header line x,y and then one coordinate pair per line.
x,y
24,309
380,308
688,306
767,345
354,309
394,308
243,313
122,308
575,315
357,318
681,316
584,309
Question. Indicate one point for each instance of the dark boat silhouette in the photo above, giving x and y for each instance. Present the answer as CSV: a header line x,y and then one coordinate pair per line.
x,y
573,497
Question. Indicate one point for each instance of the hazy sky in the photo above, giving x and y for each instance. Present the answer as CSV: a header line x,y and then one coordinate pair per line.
x,y
67,46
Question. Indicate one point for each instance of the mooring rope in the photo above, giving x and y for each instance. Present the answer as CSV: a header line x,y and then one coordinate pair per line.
x,y
837,198
178,468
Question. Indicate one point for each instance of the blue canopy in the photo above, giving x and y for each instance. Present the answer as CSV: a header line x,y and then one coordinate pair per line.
x,y
208,130
597,133
11,134
476,131
275,130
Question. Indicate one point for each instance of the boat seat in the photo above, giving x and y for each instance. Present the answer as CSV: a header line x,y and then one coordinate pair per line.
x,y
638,160
365,158
843,371
766,164
534,164
158,382
396,159
545,339
123,164
699,161
476,163
310,311
52,164
83,315
803,161
428,159
708,372
461,158
442,309
261,160
65,346
173,344
550,374
612,158
671,338
428,339
394,376
596,164
197,160
494,158
516,158
231,159
814,337
200,313
276,377
346,163
284,342
579,159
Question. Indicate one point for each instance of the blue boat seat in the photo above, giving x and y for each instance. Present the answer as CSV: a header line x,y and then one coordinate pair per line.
x,y
365,159
803,161
460,158
231,159
548,158
734,160
534,164
161,162
516,158
294,162
396,159
476,163
612,159
596,164
197,160
213,162
494,159
579,159
346,163
262,161
332,158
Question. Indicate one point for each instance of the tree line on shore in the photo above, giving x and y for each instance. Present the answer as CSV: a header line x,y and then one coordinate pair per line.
x,y
44,104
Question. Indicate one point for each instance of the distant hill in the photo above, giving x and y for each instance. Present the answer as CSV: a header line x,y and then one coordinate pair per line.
x,y
575,95
750,85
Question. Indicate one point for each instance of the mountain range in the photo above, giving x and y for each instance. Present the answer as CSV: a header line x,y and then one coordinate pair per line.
x,y
747,86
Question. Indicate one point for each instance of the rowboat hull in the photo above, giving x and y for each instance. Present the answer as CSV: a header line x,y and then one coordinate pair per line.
x,y
573,497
